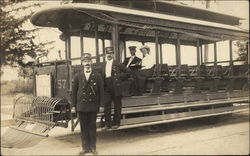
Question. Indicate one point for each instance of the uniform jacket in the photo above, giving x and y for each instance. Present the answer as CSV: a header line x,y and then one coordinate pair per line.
x,y
116,73
136,62
87,95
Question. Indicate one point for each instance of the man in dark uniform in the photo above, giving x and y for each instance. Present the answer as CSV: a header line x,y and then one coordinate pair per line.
x,y
87,95
112,88
133,62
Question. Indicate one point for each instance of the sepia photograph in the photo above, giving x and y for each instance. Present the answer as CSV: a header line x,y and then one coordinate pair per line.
x,y
124,77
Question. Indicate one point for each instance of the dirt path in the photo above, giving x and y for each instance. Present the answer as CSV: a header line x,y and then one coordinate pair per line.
x,y
229,136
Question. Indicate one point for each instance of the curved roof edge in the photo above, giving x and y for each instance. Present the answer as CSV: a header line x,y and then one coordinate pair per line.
x,y
127,11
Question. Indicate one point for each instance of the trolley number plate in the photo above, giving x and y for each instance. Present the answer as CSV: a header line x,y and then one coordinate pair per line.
x,y
61,83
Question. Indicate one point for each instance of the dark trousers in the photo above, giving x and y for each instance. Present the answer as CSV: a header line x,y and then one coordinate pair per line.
x,y
140,77
88,130
109,98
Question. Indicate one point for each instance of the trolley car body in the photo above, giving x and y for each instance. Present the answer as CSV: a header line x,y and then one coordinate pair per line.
x,y
215,90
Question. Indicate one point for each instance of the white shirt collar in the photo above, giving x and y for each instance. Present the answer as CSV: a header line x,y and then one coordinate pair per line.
x,y
108,68
87,75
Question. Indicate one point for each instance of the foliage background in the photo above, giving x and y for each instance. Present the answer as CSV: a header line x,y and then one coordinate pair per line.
x,y
17,39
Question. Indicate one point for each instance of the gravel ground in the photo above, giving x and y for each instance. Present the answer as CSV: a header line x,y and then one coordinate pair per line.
x,y
228,136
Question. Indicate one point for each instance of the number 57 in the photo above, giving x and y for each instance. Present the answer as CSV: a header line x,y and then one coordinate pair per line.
x,y
61,83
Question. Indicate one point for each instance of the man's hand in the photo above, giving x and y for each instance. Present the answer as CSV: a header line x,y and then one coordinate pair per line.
x,y
101,109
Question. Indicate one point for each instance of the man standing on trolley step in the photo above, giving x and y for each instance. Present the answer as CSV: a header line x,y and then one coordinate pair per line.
x,y
87,95
112,88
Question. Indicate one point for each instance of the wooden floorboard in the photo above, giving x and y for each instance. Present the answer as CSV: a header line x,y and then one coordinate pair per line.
x,y
179,98
153,118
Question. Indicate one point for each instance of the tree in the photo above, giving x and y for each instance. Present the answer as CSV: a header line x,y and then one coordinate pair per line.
x,y
242,50
17,42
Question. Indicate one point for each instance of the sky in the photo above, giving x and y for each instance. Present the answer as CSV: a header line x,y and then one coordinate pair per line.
x,y
188,53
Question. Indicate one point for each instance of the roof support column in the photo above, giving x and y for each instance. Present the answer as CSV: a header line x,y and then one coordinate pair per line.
x,y
161,59
248,55
157,52
178,54
115,41
231,56
215,54
198,52
156,89
68,48
201,55
125,49
103,49
198,55
97,43
68,60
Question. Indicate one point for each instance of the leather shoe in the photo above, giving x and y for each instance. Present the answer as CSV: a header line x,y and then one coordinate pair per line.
x,y
115,126
94,152
105,128
83,152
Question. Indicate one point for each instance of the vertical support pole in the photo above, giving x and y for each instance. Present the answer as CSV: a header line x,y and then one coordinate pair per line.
x,y
248,61
69,70
97,43
68,59
248,55
103,49
198,55
81,43
215,71
178,54
198,52
115,40
157,52
206,49
156,89
201,55
125,49
161,59
215,54
230,86
68,48
231,56
179,84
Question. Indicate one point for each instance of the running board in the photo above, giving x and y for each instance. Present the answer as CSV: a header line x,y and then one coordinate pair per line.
x,y
175,117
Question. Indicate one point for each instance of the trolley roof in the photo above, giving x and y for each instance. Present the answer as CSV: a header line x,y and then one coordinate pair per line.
x,y
177,9
136,23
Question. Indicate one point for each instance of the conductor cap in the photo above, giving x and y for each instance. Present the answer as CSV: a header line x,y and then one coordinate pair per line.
x,y
86,56
109,50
